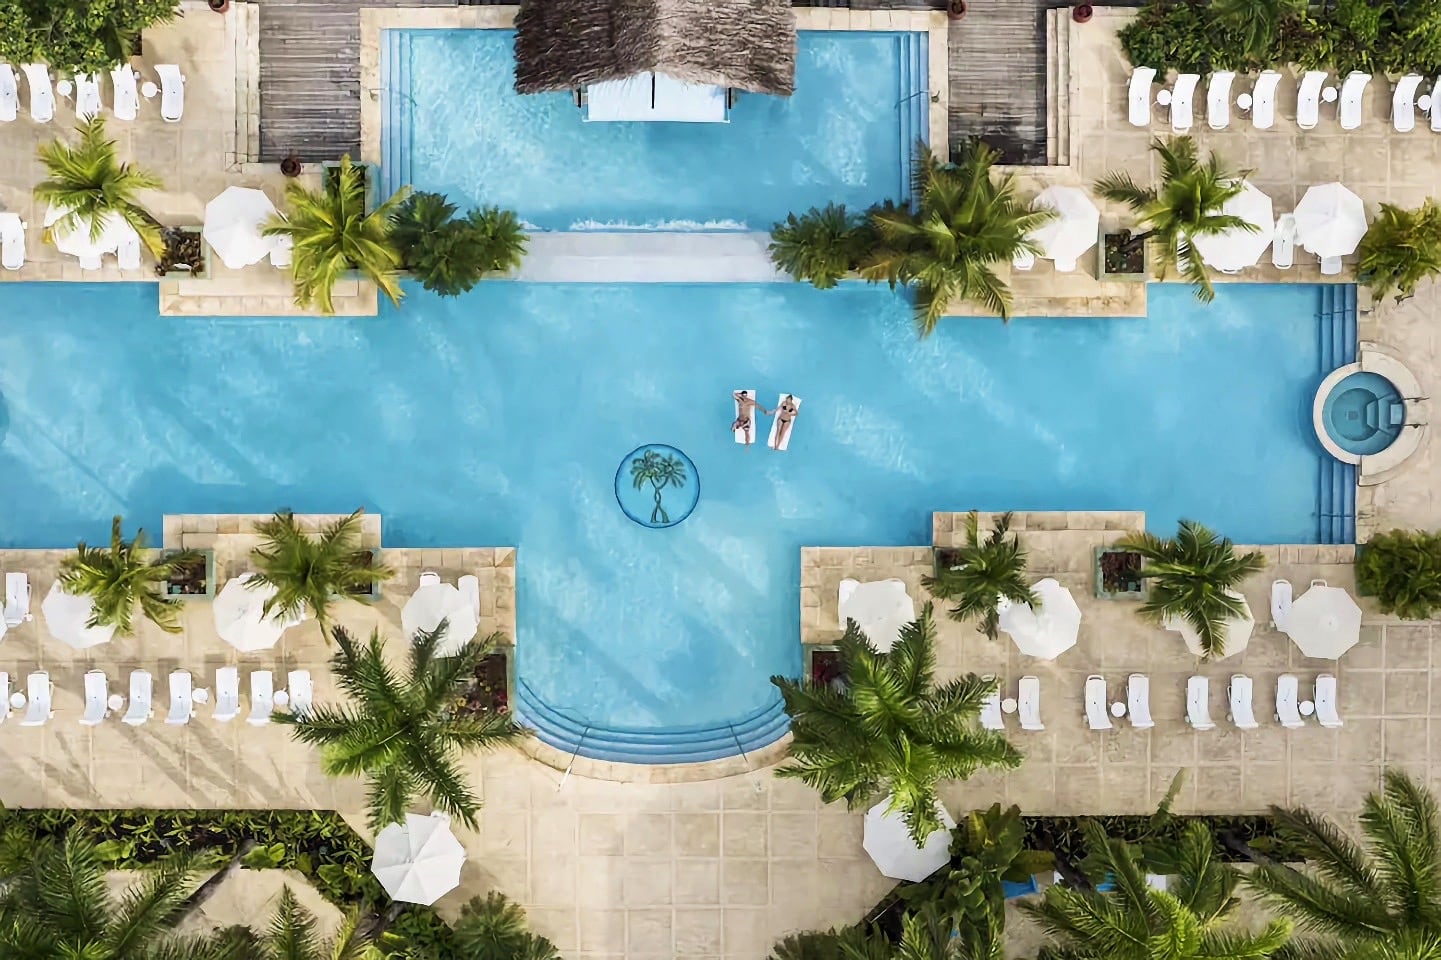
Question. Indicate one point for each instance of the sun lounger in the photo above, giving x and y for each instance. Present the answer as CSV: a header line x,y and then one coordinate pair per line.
x,y
97,696
1353,88
469,587
1240,695
17,598
1435,110
37,700
282,253
141,696
1288,712
1218,99
9,93
12,241
172,92
227,694
1283,242
742,435
1263,99
127,95
1280,603
1098,714
87,95
1029,703
1182,92
1308,99
127,255
4,695
181,697
991,716
302,692
1198,703
1325,693
1023,260
429,578
262,697
90,262
1403,103
1140,95
1138,701
42,96
1330,266
776,424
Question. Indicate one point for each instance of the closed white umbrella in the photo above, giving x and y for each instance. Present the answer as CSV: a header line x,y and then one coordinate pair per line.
x,y
434,602
895,854
240,616
1324,622
1048,632
66,616
1238,249
80,241
1074,229
1330,220
232,226
1238,631
880,608
419,860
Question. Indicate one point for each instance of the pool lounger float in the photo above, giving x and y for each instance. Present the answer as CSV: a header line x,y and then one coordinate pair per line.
x,y
740,431
776,423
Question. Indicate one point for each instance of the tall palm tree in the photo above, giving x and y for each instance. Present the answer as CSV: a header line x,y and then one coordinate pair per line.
x,y
1135,921
118,578
401,731
292,935
986,569
1192,578
821,246
964,222
308,573
494,928
1379,899
332,233
1186,204
1257,22
88,182
891,729
1401,248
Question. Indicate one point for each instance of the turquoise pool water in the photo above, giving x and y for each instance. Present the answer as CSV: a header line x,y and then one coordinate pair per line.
x,y
501,417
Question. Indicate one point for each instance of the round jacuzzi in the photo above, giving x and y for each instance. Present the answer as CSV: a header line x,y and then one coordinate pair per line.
x,y
1363,413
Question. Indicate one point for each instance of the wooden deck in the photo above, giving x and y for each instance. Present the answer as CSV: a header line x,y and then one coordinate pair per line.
x,y
998,78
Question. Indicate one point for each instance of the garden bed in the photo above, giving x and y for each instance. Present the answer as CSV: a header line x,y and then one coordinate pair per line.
x,y
1121,258
186,255
373,591
944,558
1118,574
824,666
195,579
489,689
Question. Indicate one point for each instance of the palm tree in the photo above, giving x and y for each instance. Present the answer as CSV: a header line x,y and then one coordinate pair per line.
x,y
332,233
402,732
1186,205
122,576
890,729
821,246
88,183
292,935
1193,578
308,573
501,237
965,222
1257,22
494,928
983,571
449,256
1376,899
1401,248
1135,921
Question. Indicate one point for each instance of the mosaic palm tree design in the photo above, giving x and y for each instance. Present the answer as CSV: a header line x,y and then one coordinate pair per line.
x,y
660,471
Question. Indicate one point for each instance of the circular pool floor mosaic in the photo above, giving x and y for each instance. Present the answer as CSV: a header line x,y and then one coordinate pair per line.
x,y
657,485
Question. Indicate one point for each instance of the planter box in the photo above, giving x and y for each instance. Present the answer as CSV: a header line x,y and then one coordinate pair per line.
x,y
1137,271
823,664
943,559
368,171
206,258
492,689
1129,587
186,589
374,592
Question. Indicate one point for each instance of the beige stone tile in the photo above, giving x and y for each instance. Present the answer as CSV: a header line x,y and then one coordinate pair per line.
x,y
697,932
1405,740
601,834
745,932
601,931
600,882
697,882
1408,693
793,835
745,882
646,883
648,835
745,834
650,932
838,835
697,834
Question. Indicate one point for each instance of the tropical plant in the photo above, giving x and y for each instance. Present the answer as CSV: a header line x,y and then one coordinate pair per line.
x,y
891,730
494,928
660,471
1402,569
308,573
88,186
118,578
292,935
1187,204
983,571
1401,248
1258,23
964,222
821,246
331,234
81,35
400,732
1134,921
1193,579
450,255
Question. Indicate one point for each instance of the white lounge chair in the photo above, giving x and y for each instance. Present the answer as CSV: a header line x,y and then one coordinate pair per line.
x,y
1325,693
172,92
262,697
469,587
1140,96
227,694
142,695
37,700
1029,703
1240,697
87,95
4,695
1330,266
1138,701
1283,242
1403,103
1023,260
127,255
42,95
91,261
991,716
1308,99
1353,88
1218,99
9,93
1280,603
302,692
1435,110
1198,703
774,441
282,252
1183,91
12,241
17,598
127,95
1098,714
1263,99
429,578
97,698
182,703
1288,711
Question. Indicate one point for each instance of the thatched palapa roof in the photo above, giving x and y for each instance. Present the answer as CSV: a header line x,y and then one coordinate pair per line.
x,y
747,44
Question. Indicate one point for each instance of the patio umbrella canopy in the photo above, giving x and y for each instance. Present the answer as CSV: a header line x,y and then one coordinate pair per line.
x,y
1046,633
1330,220
240,616
880,608
1074,229
1237,249
66,615
232,226
418,861
80,241
1324,622
1238,631
433,603
895,854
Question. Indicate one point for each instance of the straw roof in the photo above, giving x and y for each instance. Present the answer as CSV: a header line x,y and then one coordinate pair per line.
x,y
747,44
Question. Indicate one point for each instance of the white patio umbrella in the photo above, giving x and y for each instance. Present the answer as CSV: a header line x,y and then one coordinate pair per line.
x,y
1237,249
1324,622
80,241
1330,220
232,226
66,615
1074,229
893,851
1238,631
418,861
1048,632
240,616
880,608
434,602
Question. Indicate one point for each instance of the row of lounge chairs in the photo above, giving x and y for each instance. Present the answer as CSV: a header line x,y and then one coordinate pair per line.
x,y
124,79
39,690
1289,712
12,247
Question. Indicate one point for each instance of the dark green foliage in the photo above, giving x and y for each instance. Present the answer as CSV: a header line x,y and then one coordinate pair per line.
x,y
984,570
450,255
118,578
77,35
1402,569
1065,837
821,246
1401,248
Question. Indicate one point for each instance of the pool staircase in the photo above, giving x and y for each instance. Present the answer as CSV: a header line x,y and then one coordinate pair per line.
x,y
1336,499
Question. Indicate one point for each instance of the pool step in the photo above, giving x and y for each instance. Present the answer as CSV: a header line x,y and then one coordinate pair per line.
x,y
1336,497
395,126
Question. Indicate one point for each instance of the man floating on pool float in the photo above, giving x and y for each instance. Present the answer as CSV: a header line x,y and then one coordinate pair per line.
x,y
744,425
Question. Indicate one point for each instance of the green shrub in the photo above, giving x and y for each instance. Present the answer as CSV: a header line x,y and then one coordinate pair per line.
x,y
449,255
1402,569
79,35
821,246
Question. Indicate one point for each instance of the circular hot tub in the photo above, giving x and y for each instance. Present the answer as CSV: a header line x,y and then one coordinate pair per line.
x,y
1363,413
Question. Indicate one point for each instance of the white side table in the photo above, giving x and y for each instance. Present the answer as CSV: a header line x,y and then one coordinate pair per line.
x,y
1328,94
115,703
1244,101
148,90
1118,709
200,695
281,698
1307,708
1163,98
1008,705
1423,103
17,700
64,87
